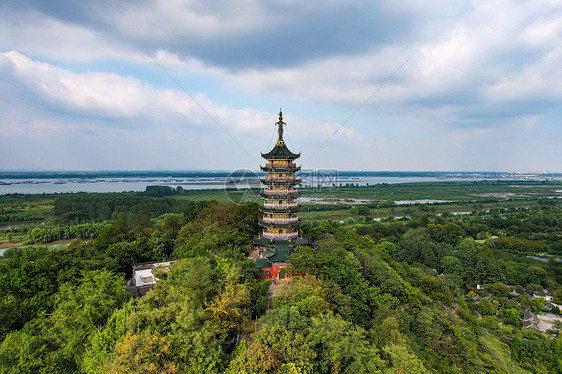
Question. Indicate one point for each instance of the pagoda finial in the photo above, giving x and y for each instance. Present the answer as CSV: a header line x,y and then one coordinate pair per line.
x,y
280,124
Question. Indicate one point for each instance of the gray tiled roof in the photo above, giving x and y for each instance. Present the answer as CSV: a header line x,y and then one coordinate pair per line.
x,y
280,152
263,263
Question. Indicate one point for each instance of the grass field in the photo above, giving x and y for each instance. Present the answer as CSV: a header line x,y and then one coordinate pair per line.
x,y
475,190
55,245
464,196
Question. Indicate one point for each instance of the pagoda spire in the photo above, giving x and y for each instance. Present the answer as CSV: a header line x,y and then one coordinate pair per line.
x,y
280,124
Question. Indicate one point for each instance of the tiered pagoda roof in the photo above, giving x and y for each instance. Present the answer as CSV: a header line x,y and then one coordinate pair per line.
x,y
278,253
280,152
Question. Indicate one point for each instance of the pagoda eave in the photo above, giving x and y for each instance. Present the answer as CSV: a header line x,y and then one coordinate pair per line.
x,y
289,157
280,169
280,210
281,182
281,195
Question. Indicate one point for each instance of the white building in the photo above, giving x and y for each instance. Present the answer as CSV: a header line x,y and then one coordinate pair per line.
x,y
143,279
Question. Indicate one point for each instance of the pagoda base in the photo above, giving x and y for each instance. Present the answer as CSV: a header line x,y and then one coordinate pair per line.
x,y
273,255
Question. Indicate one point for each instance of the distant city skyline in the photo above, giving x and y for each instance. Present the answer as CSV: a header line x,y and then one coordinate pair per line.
x,y
162,85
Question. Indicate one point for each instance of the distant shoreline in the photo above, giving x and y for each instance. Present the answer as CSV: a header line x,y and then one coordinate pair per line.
x,y
50,174
129,182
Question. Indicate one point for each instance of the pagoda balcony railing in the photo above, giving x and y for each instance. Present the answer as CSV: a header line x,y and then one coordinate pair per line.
x,y
280,178
280,220
279,192
280,166
283,195
280,206
291,235
279,225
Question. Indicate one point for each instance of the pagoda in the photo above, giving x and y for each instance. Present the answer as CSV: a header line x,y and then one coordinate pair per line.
x,y
280,235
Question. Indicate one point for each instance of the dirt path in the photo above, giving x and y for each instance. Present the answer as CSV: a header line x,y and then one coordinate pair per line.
x,y
274,286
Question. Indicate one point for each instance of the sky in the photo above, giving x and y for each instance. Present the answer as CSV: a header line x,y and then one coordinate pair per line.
x,y
377,86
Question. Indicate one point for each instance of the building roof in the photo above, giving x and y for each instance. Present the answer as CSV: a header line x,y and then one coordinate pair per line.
x,y
530,316
548,307
153,265
530,325
263,263
280,254
277,250
280,151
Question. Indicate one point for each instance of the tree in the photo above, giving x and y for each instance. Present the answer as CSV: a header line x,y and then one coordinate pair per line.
x,y
486,308
28,285
275,350
191,280
118,232
141,225
342,348
449,233
435,288
125,255
557,297
80,310
511,316
451,265
361,209
403,360
305,294
256,359
288,317
100,347
56,343
195,343
142,353
228,311
500,290
25,351
488,271
537,304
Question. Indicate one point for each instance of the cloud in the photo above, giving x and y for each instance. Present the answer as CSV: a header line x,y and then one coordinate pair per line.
x,y
115,97
480,72
33,33
248,34
106,113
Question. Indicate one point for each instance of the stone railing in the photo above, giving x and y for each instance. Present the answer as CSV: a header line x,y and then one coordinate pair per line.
x,y
292,177
269,235
280,220
279,192
279,206
280,166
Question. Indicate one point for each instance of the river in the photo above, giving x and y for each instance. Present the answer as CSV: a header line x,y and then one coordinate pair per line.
x,y
54,185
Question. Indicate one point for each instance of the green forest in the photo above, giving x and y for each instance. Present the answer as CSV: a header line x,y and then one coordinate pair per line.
x,y
391,295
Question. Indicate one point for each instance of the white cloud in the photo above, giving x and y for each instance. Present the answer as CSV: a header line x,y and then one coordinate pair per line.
x,y
109,95
39,35
539,81
478,74
162,19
